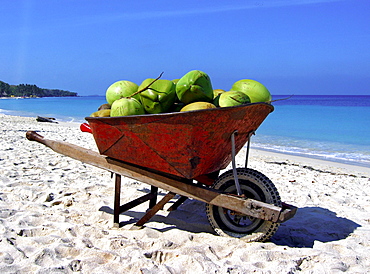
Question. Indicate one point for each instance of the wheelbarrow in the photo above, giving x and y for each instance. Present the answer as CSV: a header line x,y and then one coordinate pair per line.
x,y
184,153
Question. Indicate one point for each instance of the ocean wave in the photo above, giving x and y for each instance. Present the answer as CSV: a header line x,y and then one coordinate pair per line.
x,y
342,155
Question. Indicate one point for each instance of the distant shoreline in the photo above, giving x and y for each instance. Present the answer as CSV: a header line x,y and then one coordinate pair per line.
x,y
18,97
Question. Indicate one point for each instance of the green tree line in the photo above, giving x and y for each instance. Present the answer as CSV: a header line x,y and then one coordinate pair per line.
x,y
26,90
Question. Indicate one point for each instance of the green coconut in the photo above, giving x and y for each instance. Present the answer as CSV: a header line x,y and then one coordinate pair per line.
x,y
121,89
101,113
175,81
159,97
217,92
194,86
255,90
126,106
233,98
197,106
104,106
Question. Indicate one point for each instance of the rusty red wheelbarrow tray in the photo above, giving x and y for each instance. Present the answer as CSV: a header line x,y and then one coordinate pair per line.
x,y
175,152
185,144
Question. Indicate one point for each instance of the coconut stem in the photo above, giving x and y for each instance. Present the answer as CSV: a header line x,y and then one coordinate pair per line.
x,y
280,99
141,90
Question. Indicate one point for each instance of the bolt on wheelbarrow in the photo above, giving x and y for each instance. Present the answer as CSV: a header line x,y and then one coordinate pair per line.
x,y
184,153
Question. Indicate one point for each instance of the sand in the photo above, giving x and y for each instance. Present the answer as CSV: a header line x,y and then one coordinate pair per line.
x,y
56,216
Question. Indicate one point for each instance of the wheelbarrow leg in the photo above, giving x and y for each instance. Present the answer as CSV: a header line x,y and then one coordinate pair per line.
x,y
177,203
118,208
117,199
153,201
153,210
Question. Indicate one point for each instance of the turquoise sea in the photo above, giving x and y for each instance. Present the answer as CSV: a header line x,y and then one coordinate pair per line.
x,y
335,128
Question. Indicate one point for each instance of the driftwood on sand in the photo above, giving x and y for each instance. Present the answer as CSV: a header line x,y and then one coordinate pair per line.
x,y
46,119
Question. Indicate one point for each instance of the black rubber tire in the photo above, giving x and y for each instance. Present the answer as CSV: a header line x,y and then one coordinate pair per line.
x,y
254,185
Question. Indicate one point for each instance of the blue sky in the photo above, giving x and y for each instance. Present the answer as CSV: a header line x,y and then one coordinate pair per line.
x,y
292,47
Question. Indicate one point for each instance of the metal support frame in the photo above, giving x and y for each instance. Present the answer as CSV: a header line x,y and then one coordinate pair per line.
x,y
233,155
154,207
118,208
248,147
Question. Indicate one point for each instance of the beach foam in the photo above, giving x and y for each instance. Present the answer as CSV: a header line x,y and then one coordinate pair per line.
x,y
56,216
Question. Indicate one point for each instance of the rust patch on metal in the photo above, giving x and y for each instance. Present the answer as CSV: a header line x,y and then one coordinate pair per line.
x,y
194,162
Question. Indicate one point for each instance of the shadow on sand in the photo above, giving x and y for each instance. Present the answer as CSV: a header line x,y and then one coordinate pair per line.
x,y
190,216
310,224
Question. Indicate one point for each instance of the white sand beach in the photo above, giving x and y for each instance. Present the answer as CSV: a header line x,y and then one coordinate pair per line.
x,y
56,216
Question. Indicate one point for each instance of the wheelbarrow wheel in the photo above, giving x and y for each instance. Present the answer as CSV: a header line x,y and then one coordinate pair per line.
x,y
227,222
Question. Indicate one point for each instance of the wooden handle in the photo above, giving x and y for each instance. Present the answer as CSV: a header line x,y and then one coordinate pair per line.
x,y
33,136
249,207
